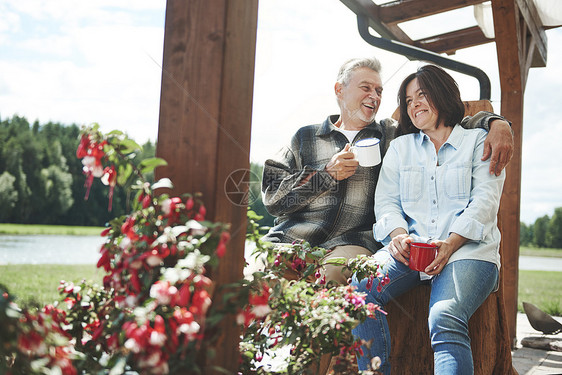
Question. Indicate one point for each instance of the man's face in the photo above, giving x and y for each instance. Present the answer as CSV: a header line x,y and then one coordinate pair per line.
x,y
360,99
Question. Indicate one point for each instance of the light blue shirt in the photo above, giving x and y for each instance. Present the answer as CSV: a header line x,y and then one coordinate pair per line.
x,y
432,194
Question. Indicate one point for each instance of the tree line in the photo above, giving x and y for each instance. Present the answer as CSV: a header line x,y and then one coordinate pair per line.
x,y
41,182
545,232
41,179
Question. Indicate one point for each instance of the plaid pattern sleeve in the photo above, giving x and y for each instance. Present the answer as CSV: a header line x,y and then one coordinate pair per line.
x,y
308,203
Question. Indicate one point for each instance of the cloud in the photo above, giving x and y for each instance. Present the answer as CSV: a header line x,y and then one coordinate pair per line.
x,y
99,61
94,63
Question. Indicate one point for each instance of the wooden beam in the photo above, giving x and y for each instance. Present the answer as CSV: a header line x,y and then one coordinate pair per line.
x,y
406,10
204,126
507,34
370,9
451,42
536,32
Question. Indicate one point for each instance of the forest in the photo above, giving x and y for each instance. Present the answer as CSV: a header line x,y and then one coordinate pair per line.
x,y
41,182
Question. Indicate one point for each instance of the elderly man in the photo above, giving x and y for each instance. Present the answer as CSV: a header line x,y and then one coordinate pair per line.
x,y
315,186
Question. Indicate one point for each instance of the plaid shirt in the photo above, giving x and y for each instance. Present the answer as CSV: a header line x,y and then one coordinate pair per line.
x,y
323,211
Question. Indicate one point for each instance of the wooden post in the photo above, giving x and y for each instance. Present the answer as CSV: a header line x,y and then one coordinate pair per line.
x,y
513,69
205,123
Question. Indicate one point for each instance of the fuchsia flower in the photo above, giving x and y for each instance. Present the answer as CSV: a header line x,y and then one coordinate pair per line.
x,y
221,248
109,178
91,153
257,308
200,215
170,205
298,264
43,336
163,292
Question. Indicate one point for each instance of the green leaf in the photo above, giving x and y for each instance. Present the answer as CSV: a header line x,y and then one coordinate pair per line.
x,y
148,165
338,261
124,173
119,367
128,145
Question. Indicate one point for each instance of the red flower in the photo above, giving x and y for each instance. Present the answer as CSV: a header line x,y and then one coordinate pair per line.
x,y
183,296
200,303
189,203
146,201
82,149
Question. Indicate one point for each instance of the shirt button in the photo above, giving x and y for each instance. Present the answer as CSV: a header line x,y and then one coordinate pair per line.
x,y
433,221
434,201
432,178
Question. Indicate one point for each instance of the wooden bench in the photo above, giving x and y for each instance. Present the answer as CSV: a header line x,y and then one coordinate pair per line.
x,y
411,351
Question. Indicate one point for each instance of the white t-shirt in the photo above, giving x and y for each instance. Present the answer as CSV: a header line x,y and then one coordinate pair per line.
x,y
350,134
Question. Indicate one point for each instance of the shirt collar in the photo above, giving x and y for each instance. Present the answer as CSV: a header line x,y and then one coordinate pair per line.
x,y
455,138
328,126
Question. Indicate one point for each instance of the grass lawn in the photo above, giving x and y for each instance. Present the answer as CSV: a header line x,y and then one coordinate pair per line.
x,y
38,283
23,229
540,252
542,289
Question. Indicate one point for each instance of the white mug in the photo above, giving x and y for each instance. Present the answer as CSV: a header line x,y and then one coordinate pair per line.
x,y
367,152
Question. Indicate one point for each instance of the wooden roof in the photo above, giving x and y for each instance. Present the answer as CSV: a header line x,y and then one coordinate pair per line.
x,y
386,18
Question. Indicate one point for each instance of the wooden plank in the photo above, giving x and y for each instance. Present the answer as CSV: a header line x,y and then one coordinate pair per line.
x,y
537,33
189,104
406,10
233,155
451,42
508,35
370,9
204,127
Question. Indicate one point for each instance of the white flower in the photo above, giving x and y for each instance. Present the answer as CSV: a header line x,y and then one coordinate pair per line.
x,y
162,292
157,338
375,363
166,206
189,329
261,310
133,345
153,260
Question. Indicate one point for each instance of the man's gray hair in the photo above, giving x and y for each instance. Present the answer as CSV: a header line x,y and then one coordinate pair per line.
x,y
344,75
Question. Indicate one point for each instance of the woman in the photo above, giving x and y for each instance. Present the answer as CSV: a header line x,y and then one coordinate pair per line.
x,y
434,187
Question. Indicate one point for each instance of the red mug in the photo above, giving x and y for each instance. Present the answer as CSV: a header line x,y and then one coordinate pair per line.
x,y
421,255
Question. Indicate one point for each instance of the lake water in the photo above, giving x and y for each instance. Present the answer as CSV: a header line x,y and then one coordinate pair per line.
x,y
50,249
53,249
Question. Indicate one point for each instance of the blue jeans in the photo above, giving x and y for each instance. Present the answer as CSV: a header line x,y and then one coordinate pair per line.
x,y
456,293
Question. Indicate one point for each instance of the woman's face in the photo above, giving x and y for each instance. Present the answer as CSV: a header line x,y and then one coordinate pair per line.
x,y
420,111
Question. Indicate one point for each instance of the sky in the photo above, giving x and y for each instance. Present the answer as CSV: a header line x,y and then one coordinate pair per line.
x,y
82,62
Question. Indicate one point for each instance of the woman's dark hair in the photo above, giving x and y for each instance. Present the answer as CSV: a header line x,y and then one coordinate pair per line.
x,y
442,93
